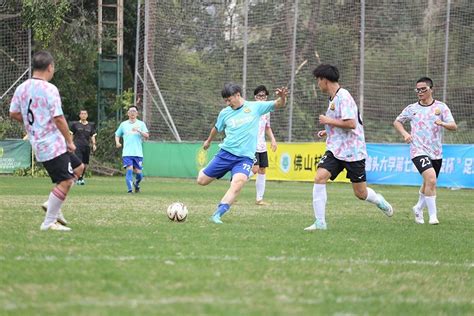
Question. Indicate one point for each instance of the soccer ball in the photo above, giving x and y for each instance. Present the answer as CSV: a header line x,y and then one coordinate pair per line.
x,y
177,212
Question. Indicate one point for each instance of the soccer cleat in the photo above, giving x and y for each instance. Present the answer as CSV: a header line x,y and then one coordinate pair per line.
x,y
130,192
318,225
137,188
216,219
384,206
261,202
60,217
433,220
418,215
55,226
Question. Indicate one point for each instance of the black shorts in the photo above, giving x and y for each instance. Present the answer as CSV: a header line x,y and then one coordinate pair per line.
x,y
261,159
355,169
62,167
423,163
83,153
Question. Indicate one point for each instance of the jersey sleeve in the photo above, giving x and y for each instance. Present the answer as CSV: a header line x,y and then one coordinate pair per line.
x,y
446,115
348,109
220,123
404,116
15,103
265,107
54,102
119,131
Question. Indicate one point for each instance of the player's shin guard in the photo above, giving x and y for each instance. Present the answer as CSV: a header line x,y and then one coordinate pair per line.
x,y
56,199
260,186
129,179
319,202
222,208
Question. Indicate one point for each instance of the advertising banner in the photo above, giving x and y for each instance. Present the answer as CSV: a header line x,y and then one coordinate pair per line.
x,y
14,154
391,164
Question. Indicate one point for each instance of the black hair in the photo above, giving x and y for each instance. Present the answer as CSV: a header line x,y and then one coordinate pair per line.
x,y
426,80
327,71
231,89
41,60
260,89
83,110
132,106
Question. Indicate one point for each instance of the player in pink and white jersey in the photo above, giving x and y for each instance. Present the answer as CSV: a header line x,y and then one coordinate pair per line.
x,y
261,156
428,117
37,104
345,147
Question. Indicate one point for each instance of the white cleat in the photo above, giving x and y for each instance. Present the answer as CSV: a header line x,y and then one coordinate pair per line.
x,y
433,220
60,218
316,226
55,226
418,215
384,206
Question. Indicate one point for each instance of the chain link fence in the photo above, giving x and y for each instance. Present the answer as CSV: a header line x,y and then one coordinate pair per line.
x,y
187,50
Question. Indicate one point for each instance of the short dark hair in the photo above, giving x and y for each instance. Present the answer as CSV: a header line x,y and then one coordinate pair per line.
x,y
41,60
259,89
231,89
83,110
326,71
132,106
426,80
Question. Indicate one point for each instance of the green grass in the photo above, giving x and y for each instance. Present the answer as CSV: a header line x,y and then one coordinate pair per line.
x,y
124,256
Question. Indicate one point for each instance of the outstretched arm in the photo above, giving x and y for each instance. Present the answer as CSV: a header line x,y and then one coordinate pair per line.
x,y
282,93
208,141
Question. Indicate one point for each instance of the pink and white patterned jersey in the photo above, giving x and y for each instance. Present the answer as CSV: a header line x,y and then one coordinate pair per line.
x,y
346,144
427,137
39,102
262,125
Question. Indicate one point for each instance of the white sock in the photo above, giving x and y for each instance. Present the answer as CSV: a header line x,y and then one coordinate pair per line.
x,y
56,199
372,197
431,204
319,202
260,185
421,201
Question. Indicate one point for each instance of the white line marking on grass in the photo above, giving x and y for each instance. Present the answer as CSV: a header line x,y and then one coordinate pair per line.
x,y
133,303
378,262
350,261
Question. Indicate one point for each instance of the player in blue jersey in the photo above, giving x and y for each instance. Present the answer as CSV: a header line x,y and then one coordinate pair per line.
x,y
133,131
239,120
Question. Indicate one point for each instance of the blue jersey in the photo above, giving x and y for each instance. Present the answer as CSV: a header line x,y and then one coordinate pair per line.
x,y
132,140
241,127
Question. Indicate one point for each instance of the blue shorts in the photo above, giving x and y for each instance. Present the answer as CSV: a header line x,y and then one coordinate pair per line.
x,y
136,162
224,162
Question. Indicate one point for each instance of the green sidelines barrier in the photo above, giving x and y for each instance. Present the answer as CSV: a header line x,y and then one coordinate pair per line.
x,y
176,160
14,154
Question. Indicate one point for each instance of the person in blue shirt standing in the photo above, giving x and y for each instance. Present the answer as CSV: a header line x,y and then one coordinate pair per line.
x,y
239,120
133,131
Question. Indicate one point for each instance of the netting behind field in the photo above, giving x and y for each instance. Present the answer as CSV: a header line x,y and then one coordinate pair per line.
x,y
187,50
14,54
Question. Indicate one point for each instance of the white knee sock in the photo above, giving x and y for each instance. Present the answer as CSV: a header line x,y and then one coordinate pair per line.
x,y
421,201
431,204
372,197
319,202
260,185
56,199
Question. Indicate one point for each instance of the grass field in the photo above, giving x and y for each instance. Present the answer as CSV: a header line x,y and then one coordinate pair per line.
x,y
124,256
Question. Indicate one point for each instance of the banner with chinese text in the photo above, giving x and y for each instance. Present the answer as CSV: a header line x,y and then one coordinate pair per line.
x,y
391,164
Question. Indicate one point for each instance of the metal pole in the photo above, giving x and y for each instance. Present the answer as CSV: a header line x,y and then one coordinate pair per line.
x,y
137,51
29,53
145,59
293,61
244,66
446,47
362,58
